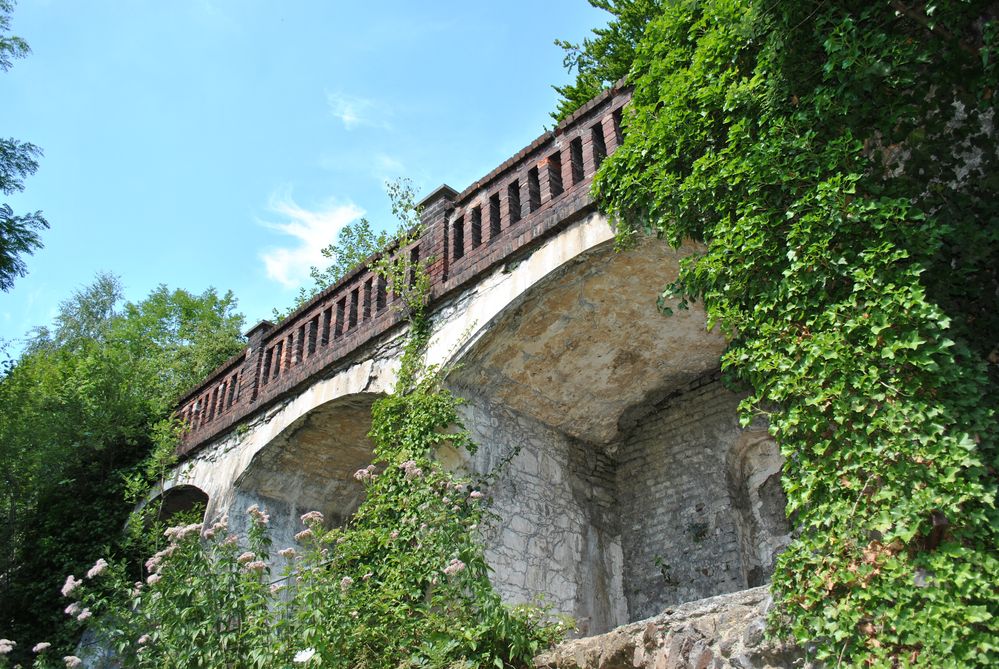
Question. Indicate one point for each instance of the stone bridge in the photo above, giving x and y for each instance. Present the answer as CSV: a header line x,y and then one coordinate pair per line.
x,y
627,485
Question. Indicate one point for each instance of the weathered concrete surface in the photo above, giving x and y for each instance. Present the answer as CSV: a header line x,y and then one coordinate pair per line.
x,y
586,343
715,633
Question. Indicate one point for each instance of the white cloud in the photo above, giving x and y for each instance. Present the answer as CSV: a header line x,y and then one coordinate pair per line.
x,y
354,111
311,230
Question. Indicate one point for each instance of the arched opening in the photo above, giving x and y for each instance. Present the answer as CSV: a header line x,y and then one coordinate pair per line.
x,y
615,434
308,466
181,499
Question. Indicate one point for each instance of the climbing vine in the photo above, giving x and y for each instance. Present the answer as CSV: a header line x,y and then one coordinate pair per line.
x,y
838,160
404,583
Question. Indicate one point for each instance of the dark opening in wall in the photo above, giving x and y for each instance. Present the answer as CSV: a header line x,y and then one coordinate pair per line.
x,y
341,316
327,322
313,334
278,359
180,499
233,390
414,262
599,145
458,237
266,375
616,117
494,217
554,166
476,227
533,189
381,294
300,344
368,285
576,155
352,315
513,200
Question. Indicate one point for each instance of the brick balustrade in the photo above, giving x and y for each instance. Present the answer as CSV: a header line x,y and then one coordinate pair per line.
x,y
526,199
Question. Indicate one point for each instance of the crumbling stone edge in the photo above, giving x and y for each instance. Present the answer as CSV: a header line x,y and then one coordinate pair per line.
x,y
713,633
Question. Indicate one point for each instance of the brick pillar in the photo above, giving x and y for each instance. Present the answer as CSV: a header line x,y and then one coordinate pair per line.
x,y
250,376
433,214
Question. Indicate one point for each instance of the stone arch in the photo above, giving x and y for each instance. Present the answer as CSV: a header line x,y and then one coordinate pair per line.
x,y
573,357
181,498
754,471
308,466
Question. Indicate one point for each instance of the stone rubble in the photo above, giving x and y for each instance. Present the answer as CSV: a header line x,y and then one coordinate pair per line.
x,y
714,633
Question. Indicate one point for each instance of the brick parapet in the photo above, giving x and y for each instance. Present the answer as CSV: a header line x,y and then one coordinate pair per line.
x,y
551,178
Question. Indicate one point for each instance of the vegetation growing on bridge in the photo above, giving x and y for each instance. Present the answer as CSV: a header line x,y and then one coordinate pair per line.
x,y
403,584
840,162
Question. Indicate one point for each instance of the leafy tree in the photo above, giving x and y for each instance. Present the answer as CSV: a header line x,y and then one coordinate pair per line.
x,y
357,243
84,407
839,162
605,58
18,233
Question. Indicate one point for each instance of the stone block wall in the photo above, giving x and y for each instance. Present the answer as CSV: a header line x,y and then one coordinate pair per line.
x,y
682,507
680,535
555,531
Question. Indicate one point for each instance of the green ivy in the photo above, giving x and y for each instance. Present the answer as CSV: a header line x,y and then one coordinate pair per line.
x,y
838,160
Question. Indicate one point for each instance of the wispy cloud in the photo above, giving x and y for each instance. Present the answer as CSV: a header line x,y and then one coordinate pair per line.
x,y
311,230
355,112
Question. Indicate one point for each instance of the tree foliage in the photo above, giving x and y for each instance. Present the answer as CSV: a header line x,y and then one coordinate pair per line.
x,y
19,234
839,161
603,59
81,408
357,244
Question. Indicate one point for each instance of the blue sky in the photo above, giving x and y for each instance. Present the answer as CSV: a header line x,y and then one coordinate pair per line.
x,y
222,143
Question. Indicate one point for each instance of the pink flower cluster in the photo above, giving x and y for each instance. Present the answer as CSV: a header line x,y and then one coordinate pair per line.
x,y
6,646
154,563
303,535
41,647
412,471
257,566
345,583
454,567
259,516
181,532
98,568
366,474
287,553
72,661
71,584
312,517
246,557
